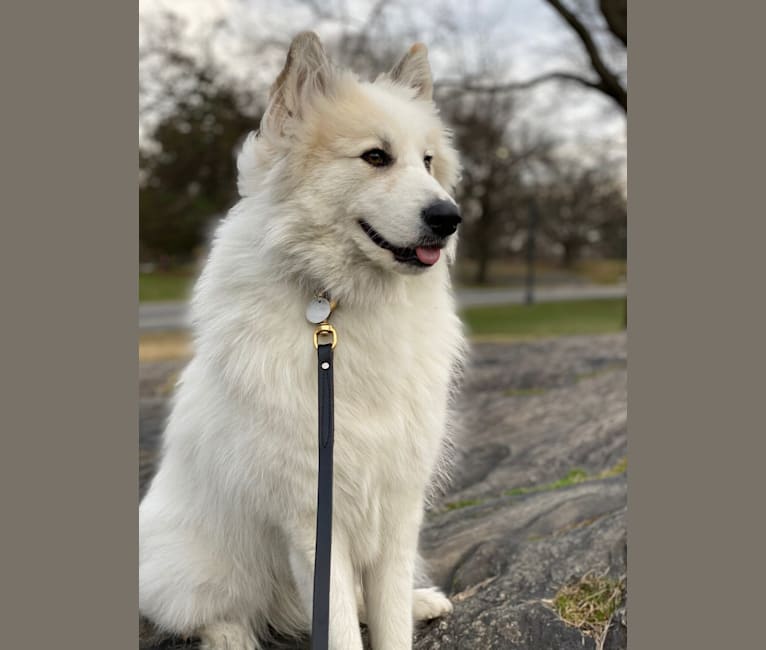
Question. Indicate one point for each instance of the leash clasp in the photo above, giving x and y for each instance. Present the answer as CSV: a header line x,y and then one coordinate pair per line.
x,y
325,329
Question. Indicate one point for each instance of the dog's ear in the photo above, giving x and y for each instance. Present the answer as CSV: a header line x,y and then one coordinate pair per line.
x,y
307,71
415,71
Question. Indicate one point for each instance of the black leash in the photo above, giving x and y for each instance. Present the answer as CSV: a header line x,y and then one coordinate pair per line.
x,y
320,620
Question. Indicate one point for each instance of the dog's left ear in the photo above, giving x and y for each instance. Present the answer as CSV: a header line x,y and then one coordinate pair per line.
x,y
415,71
307,71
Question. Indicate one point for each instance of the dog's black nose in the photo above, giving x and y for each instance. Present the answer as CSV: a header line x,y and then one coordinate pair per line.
x,y
442,217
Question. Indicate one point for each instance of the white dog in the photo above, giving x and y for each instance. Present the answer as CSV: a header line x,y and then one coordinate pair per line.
x,y
345,190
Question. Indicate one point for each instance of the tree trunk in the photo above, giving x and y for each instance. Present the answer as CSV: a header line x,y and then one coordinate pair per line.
x,y
571,253
484,228
482,267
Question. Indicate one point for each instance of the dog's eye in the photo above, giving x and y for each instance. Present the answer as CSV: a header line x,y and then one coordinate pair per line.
x,y
376,158
427,162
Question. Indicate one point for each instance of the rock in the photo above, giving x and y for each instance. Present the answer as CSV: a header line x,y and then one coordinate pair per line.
x,y
538,495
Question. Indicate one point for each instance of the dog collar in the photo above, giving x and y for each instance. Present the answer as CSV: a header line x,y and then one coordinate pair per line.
x,y
320,308
318,312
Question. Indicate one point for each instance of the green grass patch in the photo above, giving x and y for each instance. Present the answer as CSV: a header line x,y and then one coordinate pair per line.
x,y
465,503
573,477
524,392
589,604
546,319
164,286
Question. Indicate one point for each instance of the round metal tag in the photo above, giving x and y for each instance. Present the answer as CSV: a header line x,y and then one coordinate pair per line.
x,y
318,310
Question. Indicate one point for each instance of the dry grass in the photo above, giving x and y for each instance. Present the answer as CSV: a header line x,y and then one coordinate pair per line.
x,y
602,271
620,467
513,272
163,346
589,604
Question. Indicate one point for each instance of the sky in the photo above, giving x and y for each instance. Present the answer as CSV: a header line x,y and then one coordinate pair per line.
x,y
517,39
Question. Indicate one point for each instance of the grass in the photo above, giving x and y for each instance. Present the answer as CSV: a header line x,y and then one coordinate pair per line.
x,y
620,467
163,346
513,272
573,477
589,604
546,319
602,271
164,286
175,284
524,392
465,503
504,322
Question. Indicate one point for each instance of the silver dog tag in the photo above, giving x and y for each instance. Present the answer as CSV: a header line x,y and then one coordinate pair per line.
x,y
318,310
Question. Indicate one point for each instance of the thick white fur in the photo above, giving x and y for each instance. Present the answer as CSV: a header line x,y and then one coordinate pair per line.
x,y
227,526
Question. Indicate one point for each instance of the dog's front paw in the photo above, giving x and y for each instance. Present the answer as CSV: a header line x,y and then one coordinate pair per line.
x,y
429,603
227,636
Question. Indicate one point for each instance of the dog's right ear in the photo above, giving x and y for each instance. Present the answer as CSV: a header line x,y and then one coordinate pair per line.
x,y
307,71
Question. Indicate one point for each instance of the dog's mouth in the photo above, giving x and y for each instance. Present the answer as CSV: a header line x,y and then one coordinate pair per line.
x,y
425,253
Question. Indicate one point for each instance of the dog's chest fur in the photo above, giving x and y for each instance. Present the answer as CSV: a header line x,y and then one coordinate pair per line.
x,y
392,367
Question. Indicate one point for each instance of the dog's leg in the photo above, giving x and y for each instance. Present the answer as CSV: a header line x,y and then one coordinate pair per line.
x,y
388,584
429,603
344,622
227,636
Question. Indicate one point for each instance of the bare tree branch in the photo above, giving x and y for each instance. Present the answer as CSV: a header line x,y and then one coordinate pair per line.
x,y
610,83
372,18
615,13
467,86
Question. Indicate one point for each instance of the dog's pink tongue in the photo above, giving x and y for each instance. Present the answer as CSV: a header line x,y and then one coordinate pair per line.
x,y
428,255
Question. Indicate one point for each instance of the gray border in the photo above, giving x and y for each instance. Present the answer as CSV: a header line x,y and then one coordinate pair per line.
x,y
70,337
695,175
70,252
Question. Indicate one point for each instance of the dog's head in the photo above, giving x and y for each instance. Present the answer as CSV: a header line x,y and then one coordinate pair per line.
x,y
364,171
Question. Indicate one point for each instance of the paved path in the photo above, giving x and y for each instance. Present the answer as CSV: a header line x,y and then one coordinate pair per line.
x,y
174,315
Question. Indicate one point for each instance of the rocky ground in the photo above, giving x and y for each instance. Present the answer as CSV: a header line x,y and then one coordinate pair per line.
x,y
537,501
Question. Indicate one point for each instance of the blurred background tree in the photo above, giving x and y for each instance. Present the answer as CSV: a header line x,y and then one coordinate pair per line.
x,y
581,207
188,166
494,190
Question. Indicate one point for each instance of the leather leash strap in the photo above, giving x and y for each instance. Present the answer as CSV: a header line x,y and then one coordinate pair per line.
x,y
320,623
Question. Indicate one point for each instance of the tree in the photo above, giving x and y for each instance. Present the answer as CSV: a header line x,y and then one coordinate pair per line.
x,y
601,28
492,189
188,166
582,206
615,15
